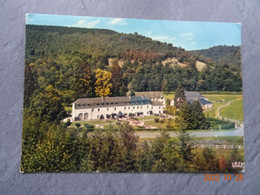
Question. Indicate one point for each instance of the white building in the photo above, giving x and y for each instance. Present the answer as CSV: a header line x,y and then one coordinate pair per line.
x,y
103,108
153,96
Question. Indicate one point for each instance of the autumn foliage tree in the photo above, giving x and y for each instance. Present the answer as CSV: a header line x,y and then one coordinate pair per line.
x,y
103,83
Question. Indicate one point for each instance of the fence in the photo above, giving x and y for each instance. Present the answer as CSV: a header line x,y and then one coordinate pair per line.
x,y
219,146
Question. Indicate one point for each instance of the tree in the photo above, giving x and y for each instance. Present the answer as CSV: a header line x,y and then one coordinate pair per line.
x,y
129,140
199,121
84,85
116,78
211,163
180,97
185,148
103,83
222,164
48,105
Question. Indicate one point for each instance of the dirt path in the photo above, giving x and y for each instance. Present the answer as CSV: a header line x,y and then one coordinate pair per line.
x,y
225,118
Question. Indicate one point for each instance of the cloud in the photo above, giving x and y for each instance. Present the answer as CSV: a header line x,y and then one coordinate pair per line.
x,y
29,18
163,38
86,23
189,36
117,22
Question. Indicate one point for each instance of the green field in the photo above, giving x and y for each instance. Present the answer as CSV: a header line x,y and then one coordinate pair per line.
x,y
220,98
234,110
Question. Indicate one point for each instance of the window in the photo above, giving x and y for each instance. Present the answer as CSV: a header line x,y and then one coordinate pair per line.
x,y
102,103
97,103
128,108
97,116
159,107
107,109
98,109
124,107
84,104
141,106
133,107
78,104
92,109
115,108
147,106
137,107
88,104
151,107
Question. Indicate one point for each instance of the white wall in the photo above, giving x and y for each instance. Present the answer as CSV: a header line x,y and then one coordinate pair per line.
x,y
97,112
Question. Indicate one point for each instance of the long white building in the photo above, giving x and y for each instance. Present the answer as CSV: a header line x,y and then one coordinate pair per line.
x,y
104,107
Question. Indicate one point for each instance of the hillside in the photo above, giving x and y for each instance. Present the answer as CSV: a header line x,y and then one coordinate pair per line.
x,y
222,54
67,59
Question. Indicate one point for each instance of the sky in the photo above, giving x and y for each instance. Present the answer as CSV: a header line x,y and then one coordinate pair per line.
x,y
186,34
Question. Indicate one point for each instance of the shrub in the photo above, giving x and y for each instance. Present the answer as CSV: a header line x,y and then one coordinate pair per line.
x,y
77,125
156,120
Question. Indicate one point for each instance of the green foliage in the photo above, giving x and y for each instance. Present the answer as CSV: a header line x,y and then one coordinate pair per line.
x,y
180,97
224,54
216,124
47,105
191,117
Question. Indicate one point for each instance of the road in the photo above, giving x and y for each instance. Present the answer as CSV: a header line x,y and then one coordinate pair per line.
x,y
238,132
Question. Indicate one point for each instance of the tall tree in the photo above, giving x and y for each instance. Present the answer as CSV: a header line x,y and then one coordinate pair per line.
x,y
116,78
199,120
84,85
180,97
103,83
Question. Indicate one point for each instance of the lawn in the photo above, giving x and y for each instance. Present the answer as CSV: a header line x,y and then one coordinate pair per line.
x,y
140,118
234,110
222,99
169,95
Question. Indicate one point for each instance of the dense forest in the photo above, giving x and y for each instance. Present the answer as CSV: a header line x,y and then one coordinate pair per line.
x,y
65,57
222,54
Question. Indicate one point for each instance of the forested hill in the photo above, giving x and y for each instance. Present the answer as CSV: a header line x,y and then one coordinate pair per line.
x,y
73,62
97,43
222,54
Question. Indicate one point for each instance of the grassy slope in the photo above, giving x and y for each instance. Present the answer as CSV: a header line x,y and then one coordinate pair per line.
x,y
222,99
234,110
